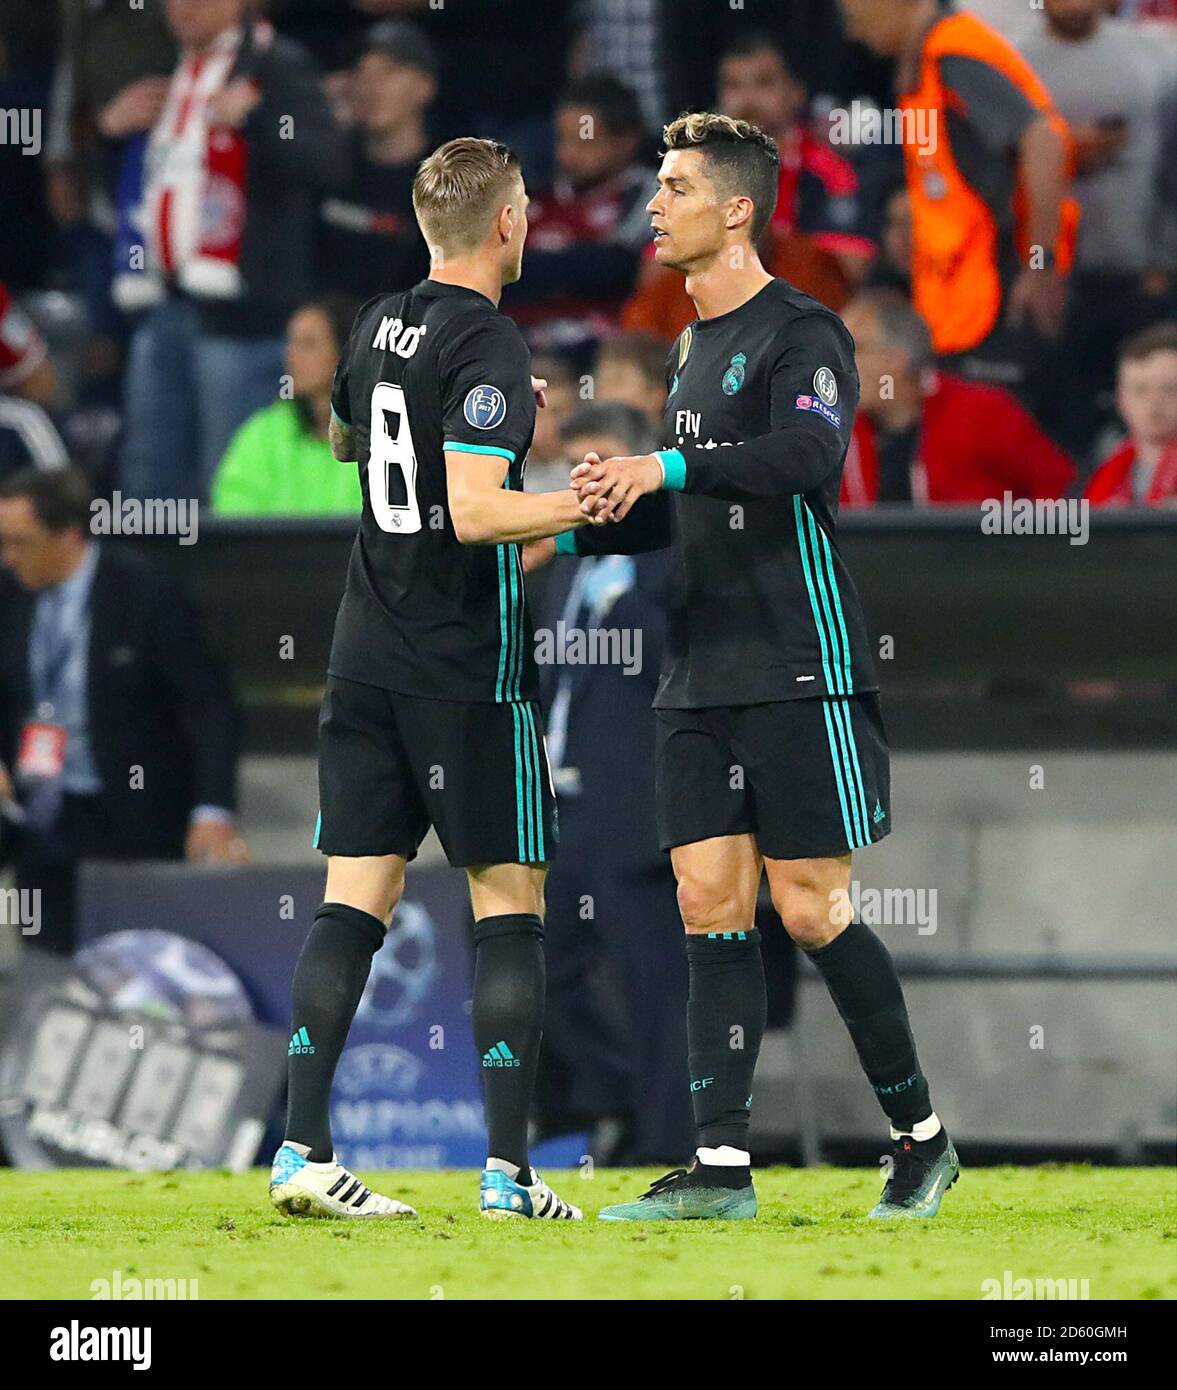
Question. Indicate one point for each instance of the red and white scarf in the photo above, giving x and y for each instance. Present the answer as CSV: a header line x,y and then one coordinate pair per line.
x,y
195,179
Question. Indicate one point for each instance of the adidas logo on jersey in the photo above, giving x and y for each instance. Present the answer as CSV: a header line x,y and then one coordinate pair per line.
x,y
500,1055
300,1044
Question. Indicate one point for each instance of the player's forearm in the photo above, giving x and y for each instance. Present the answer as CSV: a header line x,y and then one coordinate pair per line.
x,y
503,517
774,465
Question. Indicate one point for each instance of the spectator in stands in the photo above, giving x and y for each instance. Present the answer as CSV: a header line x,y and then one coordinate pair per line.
x,y
587,231
111,84
819,196
109,88
988,170
816,239
369,241
332,28
223,197
28,435
600,1063
279,462
547,461
1143,470
891,268
631,368
923,435
696,31
117,734
502,64
1105,79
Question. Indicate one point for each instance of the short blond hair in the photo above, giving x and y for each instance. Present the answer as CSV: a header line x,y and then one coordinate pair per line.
x,y
459,188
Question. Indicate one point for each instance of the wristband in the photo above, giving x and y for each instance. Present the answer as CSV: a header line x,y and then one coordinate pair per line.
x,y
674,469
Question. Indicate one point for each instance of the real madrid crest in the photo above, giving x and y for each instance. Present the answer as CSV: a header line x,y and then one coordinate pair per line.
x,y
733,378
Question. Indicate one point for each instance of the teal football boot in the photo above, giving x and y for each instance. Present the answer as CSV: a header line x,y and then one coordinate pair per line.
x,y
918,1180
687,1194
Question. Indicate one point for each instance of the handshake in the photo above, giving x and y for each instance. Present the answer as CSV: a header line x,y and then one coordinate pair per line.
x,y
607,488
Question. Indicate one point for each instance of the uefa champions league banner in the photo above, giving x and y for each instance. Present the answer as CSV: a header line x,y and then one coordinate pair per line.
x,y
142,1052
408,1086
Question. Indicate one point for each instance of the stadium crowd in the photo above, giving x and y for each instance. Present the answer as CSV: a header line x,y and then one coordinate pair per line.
x,y
220,183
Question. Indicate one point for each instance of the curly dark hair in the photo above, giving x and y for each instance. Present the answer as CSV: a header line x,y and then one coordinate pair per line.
x,y
742,159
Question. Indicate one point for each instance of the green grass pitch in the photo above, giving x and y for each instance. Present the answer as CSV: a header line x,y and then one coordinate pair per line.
x,y
1114,1227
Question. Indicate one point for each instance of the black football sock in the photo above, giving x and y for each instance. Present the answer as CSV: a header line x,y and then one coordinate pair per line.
x,y
719,1174
329,979
861,977
508,1016
930,1148
726,1010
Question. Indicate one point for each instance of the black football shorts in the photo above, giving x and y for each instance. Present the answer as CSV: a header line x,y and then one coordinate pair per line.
x,y
391,765
810,779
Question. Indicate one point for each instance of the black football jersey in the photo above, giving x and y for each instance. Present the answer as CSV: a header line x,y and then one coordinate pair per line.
x,y
433,368
758,420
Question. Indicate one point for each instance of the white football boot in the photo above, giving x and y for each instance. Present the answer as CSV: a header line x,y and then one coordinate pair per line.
x,y
501,1197
299,1187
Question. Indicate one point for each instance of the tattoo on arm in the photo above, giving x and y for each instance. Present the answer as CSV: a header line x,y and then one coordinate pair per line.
x,y
343,440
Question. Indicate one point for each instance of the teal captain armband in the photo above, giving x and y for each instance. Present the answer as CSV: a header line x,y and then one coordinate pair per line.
x,y
566,543
674,469
458,447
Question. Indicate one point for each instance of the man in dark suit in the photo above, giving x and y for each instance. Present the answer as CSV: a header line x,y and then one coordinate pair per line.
x,y
117,732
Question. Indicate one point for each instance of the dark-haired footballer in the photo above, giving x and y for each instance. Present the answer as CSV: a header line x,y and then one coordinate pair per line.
x,y
772,756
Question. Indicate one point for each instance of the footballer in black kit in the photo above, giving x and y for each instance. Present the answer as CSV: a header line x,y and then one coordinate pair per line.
x,y
767,665
431,714
771,754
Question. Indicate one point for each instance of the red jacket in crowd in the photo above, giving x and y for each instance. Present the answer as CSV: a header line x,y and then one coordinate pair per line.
x,y
975,442
1111,483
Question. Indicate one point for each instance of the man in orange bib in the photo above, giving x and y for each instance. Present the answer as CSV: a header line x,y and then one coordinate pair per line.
x,y
989,165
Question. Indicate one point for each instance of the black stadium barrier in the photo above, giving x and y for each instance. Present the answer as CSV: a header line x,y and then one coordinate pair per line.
x,y
987,641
